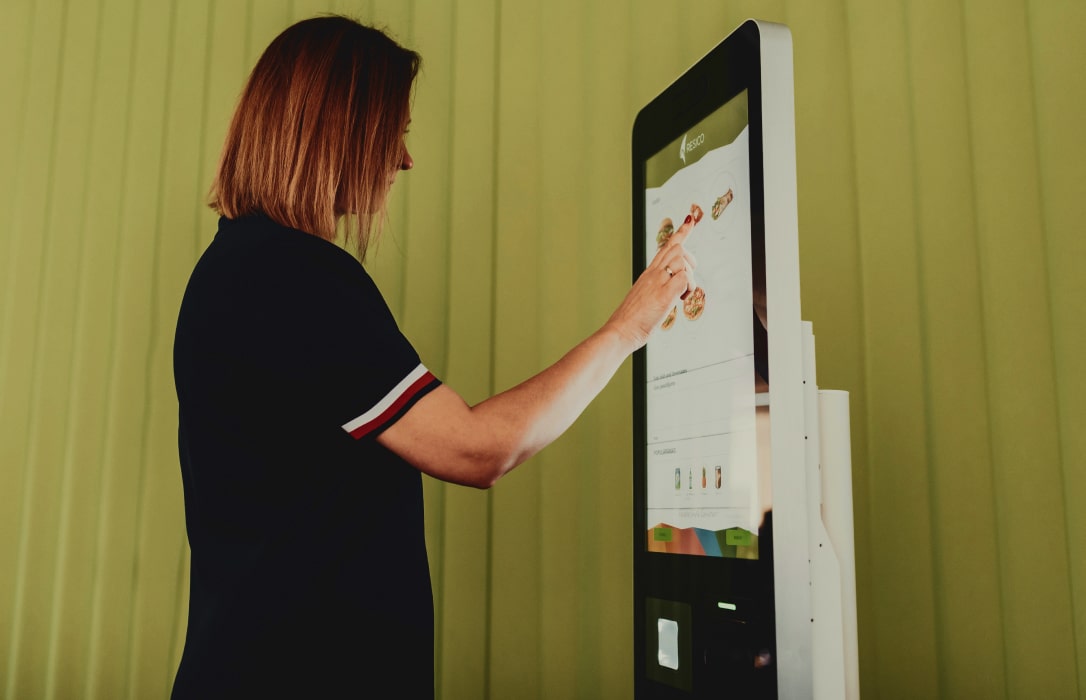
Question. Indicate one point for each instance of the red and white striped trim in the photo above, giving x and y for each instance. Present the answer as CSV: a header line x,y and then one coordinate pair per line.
x,y
418,379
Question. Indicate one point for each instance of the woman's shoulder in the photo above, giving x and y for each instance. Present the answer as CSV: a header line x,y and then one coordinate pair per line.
x,y
257,251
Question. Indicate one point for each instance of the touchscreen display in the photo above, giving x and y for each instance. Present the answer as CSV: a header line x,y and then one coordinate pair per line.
x,y
707,410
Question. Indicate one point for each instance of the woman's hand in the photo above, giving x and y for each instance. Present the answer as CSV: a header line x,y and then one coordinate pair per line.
x,y
668,277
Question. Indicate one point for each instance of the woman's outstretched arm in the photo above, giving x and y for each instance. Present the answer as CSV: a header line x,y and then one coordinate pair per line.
x,y
476,445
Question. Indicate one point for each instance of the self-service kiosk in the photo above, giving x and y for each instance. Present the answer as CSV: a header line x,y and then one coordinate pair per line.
x,y
744,582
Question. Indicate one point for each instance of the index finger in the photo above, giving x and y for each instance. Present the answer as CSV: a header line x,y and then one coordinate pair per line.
x,y
682,232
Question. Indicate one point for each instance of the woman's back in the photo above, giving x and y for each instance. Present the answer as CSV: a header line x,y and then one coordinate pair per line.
x,y
307,543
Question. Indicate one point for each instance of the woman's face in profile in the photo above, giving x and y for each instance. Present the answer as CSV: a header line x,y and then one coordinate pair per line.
x,y
406,164
406,161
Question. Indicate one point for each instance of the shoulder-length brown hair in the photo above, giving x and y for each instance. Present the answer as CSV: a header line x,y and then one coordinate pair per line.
x,y
318,132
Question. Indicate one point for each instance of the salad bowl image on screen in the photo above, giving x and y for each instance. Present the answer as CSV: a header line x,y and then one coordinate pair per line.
x,y
720,539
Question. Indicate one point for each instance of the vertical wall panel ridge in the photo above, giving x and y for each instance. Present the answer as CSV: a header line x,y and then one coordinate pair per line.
x,y
17,21
471,230
66,654
125,450
515,666
982,321
561,287
32,221
151,222
18,28
900,497
966,565
1059,89
606,430
587,431
925,304
1018,339
100,670
161,521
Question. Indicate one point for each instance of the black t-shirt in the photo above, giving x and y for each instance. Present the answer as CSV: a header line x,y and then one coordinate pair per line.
x,y
309,574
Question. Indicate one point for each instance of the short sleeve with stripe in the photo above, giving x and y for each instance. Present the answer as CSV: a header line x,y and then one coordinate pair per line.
x,y
393,404
369,374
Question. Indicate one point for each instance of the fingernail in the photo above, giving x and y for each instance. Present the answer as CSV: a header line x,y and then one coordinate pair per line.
x,y
684,295
688,218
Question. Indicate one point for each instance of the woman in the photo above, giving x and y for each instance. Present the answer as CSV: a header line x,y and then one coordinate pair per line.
x,y
305,415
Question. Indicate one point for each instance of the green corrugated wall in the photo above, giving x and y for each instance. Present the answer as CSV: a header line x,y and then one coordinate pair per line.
x,y
942,184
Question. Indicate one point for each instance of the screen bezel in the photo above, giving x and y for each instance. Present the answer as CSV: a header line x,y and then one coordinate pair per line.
x,y
731,67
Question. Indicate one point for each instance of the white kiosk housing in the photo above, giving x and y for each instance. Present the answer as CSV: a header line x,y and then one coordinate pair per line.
x,y
744,575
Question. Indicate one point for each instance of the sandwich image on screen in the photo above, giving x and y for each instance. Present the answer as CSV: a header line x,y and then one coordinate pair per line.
x,y
706,493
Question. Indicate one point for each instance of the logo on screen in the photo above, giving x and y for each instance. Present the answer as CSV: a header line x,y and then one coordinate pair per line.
x,y
688,146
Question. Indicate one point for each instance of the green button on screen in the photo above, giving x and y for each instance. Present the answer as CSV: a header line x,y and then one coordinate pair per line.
x,y
738,538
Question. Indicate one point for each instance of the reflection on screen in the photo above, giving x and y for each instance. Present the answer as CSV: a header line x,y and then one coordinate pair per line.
x,y
707,473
